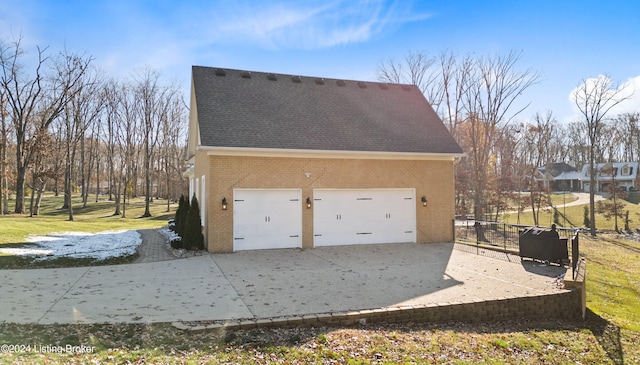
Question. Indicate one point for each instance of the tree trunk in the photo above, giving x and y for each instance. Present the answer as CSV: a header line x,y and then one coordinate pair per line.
x,y
68,177
33,196
168,189
533,207
147,180
4,194
124,198
592,194
67,195
117,200
20,184
97,176
83,191
66,188
39,199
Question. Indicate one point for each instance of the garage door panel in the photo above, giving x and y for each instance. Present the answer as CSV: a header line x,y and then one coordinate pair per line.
x,y
345,216
267,219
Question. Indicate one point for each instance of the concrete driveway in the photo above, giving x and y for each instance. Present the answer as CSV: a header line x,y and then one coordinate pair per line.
x,y
265,284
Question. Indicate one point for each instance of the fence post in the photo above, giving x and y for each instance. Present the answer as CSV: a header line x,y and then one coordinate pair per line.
x,y
504,236
575,252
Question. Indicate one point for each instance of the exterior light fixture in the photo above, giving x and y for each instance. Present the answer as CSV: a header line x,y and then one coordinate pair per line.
x,y
424,201
308,203
224,203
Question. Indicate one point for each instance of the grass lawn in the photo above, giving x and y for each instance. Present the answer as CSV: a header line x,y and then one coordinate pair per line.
x,y
609,335
95,217
574,217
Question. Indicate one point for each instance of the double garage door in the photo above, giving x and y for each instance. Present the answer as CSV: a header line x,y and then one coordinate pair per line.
x,y
272,218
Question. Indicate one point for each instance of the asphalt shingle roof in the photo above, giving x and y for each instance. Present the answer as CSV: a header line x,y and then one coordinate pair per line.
x,y
260,110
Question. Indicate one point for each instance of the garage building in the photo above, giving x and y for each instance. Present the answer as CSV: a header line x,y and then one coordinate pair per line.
x,y
282,161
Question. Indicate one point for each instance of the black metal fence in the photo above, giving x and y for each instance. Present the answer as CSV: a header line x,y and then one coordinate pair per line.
x,y
506,236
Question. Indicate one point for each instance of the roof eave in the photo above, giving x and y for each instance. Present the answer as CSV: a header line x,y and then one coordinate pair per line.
x,y
298,153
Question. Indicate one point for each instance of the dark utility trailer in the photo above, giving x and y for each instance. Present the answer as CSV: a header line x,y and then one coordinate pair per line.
x,y
539,244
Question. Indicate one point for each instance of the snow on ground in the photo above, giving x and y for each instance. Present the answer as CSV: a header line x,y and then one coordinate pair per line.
x,y
169,234
102,245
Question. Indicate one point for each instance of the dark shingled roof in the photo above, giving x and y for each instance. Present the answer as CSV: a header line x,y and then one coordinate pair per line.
x,y
265,110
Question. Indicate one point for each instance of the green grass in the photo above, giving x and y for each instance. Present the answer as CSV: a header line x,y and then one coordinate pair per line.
x,y
575,217
449,343
95,217
613,269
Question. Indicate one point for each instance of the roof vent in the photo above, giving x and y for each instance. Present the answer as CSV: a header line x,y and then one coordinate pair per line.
x,y
296,79
272,77
384,86
362,84
246,75
406,87
341,83
319,81
221,72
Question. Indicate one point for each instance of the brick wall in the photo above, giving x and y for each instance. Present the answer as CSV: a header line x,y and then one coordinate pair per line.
x,y
559,306
433,179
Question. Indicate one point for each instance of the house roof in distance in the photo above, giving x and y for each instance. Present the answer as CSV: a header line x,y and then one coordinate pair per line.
x,y
557,168
605,175
247,109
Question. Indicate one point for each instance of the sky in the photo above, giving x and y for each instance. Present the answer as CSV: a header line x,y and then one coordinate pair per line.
x,y
566,41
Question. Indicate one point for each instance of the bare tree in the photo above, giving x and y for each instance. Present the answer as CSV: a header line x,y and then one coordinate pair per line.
x,y
577,141
80,113
42,169
595,97
416,69
4,185
614,207
455,78
628,124
35,101
153,106
172,137
475,98
488,101
443,80
127,125
538,138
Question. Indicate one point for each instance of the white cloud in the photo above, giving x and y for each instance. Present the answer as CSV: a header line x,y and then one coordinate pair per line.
x,y
633,103
629,90
306,25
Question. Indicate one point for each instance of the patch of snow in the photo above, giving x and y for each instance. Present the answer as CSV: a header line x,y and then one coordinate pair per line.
x,y
169,234
101,246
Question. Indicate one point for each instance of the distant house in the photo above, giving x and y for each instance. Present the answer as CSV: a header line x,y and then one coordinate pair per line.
x,y
565,177
559,176
625,174
281,161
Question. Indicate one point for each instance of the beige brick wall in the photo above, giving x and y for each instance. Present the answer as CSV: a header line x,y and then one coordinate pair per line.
x,y
433,179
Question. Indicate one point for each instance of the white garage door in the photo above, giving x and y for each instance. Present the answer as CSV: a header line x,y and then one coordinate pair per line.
x,y
264,219
347,217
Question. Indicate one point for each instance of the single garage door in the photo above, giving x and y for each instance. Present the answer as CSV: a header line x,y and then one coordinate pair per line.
x,y
267,218
347,217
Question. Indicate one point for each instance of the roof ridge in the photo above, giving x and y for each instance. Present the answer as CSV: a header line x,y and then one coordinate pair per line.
x,y
311,78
